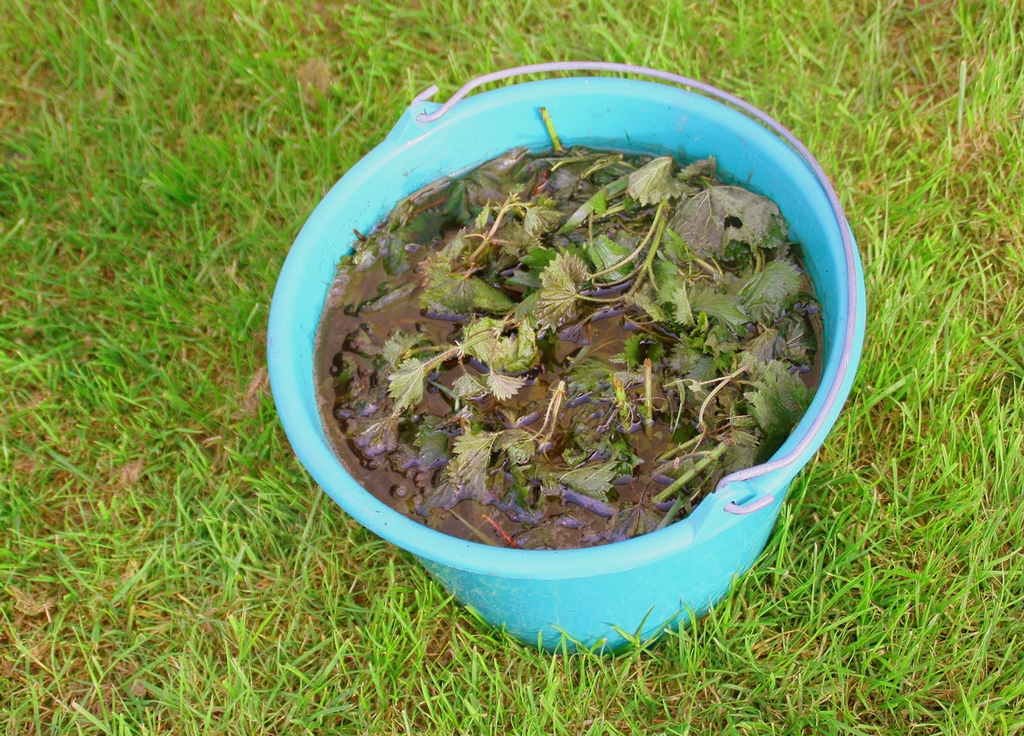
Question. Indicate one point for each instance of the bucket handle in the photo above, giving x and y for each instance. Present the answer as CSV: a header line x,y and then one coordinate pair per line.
x,y
748,508
849,338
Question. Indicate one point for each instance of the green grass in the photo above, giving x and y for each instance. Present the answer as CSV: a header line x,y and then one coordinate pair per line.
x,y
166,566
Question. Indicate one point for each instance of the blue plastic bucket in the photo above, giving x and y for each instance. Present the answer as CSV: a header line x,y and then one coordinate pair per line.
x,y
630,589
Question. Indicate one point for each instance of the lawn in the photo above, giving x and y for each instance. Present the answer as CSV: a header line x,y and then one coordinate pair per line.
x,y
167,566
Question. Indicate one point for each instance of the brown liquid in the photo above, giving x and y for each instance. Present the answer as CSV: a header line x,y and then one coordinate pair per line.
x,y
571,525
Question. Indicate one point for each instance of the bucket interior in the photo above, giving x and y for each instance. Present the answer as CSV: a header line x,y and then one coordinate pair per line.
x,y
599,113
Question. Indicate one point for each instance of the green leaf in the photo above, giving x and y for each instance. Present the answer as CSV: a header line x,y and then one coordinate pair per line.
x,y
504,387
690,362
778,401
448,290
468,387
514,354
797,342
527,308
487,298
723,307
542,214
637,520
482,217
632,348
456,204
760,350
713,218
674,247
443,290
768,294
645,301
587,375
598,200
455,248
472,459
406,384
539,258
701,167
378,437
399,344
480,338
742,452
518,444
483,339
605,253
558,298
591,480
674,294
653,183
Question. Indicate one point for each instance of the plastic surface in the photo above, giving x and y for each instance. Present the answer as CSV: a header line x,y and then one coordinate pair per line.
x,y
608,593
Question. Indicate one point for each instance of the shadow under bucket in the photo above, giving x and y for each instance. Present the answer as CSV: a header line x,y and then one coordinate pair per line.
x,y
615,593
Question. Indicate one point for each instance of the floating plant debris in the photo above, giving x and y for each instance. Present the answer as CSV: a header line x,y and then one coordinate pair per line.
x,y
566,349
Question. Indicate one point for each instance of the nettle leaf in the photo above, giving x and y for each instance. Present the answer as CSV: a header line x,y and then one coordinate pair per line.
x,y
401,343
504,387
406,384
796,342
761,350
768,294
778,401
456,204
605,253
645,301
455,248
483,339
527,308
597,202
539,258
701,167
723,307
448,290
674,294
468,387
591,480
742,452
558,297
542,214
444,290
719,215
674,247
487,298
631,349
637,520
518,444
480,338
431,443
587,375
472,459
653,183
514,354
378,437
482,217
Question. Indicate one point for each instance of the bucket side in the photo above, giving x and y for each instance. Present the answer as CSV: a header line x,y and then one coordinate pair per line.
x,y
624,114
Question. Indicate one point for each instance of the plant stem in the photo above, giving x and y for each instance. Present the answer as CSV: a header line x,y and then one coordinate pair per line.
x,y
483,537
698,467
555,143
648,408
551,415
671,513
657,228
723,382
639,248
666,456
